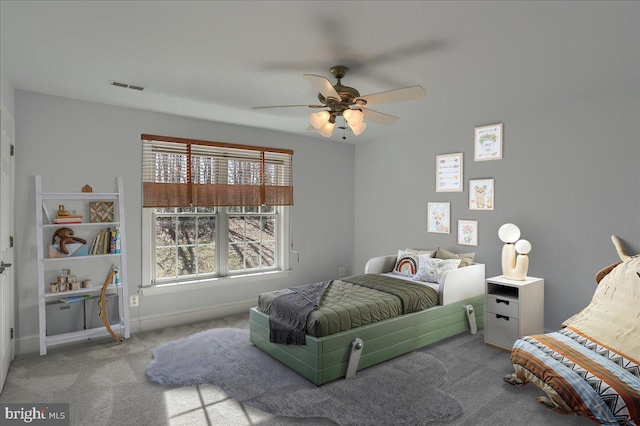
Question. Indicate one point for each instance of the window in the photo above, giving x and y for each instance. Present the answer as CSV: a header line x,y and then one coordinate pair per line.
x,y
213,210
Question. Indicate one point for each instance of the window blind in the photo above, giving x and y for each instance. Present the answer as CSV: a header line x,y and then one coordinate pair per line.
x,y
179,172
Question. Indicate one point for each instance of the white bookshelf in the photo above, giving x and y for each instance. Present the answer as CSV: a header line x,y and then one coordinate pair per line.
x,y
94,267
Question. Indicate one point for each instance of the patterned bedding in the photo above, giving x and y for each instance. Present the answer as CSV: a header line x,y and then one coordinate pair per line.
x,y
356,301
591,367
580,376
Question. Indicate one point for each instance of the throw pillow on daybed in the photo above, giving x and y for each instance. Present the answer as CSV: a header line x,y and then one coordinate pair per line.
x,y
431,270
466,258
408,262
428,253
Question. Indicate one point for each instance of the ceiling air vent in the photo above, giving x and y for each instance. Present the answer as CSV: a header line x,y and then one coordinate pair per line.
x,y
126,85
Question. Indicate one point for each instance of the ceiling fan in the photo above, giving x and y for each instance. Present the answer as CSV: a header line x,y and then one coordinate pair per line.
x,y
337,100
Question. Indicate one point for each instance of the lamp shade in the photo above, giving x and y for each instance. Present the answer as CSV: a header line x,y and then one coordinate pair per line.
x,y
319,119
509,233
523,247
327,129
358,127
353,116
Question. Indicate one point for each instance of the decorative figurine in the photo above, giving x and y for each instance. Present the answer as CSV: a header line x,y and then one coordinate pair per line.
x,y
62,212
66,237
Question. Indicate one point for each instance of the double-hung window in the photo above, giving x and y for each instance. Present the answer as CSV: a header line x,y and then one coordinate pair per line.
x,y
213,209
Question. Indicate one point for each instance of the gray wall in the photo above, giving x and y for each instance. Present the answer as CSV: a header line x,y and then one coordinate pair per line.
x,y
71,143
569,178
7,93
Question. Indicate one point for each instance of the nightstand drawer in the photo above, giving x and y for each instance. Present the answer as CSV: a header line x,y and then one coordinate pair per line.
x,y
506,306
501,330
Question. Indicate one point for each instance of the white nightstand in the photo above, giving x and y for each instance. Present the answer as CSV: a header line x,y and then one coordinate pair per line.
x,y
512,309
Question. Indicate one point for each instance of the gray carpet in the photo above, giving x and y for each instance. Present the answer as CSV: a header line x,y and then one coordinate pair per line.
x,y
226,358
106,384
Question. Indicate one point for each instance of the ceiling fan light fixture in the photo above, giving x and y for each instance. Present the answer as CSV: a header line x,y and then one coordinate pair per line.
x,y
319,119
353,116
358,127
327,129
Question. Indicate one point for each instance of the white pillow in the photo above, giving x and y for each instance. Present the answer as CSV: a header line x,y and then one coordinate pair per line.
x,y
429,253
431,269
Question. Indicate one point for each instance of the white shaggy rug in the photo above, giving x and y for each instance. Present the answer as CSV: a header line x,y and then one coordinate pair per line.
x,y
403,390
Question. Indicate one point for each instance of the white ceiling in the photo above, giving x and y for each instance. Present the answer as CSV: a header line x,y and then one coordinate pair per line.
x,y
215,60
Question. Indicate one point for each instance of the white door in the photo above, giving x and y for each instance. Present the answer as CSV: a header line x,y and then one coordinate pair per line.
x,y
7,301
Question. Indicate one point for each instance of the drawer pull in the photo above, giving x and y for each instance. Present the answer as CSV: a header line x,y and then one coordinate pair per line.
x,y
506,302
502,316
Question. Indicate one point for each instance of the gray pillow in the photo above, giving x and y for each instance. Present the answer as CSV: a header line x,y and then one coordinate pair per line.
x,y
466,258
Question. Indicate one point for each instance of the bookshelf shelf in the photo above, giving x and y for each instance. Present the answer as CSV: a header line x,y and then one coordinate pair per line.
x,y
95,267
83,224
77,258
83,291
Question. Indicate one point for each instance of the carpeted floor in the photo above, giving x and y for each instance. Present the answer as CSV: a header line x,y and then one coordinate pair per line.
x,y
106,384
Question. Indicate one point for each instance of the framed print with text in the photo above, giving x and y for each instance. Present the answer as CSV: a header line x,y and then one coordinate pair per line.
x,y
487,142
468,232
439,217
481,194
449,169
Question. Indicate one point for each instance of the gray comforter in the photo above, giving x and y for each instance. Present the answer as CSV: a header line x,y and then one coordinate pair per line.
x,y
289,312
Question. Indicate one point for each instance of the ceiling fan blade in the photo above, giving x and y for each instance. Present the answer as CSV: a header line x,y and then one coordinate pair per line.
x,y
405,94
378,117
322,85
288,106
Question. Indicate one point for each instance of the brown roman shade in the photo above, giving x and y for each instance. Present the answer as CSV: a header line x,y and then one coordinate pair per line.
x,y
179,172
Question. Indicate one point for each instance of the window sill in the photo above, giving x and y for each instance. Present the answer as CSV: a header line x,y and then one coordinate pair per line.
x,y
210,283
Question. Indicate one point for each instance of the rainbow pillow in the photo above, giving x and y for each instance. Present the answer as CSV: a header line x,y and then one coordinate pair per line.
x,y
407,263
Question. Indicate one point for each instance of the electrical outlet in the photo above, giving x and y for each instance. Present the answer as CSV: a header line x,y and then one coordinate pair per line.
x,y
342,272
134,301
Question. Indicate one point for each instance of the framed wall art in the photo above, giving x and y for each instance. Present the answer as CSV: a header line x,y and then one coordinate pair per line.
x,y
449,168
487,142
468,232
101,211
439,217
481,194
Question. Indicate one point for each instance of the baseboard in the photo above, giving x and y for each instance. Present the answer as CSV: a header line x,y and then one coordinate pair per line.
x,y
154,322
30,344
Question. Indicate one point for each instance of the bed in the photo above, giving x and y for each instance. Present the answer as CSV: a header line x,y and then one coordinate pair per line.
x,y
591,366
329,357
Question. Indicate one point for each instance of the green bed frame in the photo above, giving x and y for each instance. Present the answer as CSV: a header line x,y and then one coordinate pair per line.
x,y
325,359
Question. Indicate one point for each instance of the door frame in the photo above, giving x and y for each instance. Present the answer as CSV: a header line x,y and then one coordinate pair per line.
x,y
7,232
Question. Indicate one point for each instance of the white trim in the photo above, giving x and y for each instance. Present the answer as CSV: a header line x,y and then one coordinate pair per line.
x,y
148,245
154,322
211,283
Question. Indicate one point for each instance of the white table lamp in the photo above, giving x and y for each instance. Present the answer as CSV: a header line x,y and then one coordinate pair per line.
x,y
514,268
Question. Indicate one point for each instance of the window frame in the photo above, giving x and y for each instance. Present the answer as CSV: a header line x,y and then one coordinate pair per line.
x,y
283,243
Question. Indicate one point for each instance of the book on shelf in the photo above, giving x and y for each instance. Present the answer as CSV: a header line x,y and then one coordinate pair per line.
x,y
72,299
67,219
46,213
112,241
105,241
118,240
93,245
